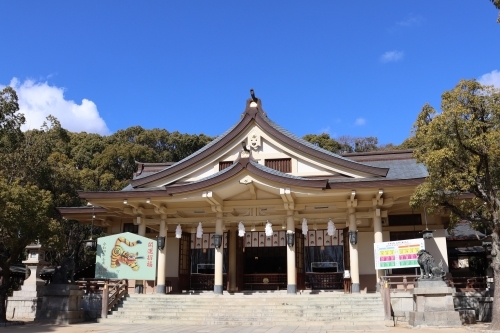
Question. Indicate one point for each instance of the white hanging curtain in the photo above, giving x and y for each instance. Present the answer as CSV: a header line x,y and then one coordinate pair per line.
x,y
241,229
178,231
305,229
269,229
331,228
199,231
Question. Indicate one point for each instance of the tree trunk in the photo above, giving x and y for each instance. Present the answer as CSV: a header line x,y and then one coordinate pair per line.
x,y
495,258
3,302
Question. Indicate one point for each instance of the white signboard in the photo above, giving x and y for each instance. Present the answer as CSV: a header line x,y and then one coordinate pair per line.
x,y
398,254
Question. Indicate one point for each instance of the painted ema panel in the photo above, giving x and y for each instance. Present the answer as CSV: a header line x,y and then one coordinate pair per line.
x,y
398,254
126,256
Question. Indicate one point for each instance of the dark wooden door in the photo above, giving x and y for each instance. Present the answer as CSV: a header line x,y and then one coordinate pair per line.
x,y
185,262
347,253
240,263
299,260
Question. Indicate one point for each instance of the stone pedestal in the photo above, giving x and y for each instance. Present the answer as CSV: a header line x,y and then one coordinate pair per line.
x,y
433,305
61,304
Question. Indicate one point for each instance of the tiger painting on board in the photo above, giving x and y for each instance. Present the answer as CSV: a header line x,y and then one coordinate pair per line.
x,y
120,256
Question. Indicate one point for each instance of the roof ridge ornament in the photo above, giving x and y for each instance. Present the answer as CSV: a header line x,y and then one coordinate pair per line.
x,y
254,105
246,153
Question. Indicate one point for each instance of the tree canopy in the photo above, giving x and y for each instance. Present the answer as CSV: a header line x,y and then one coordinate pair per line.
x,y
44,168
461,149
348,144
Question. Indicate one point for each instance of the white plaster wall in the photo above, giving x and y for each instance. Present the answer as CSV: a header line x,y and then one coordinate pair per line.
x,y
306,167
202,173
437,247
269,148
172,266
366,257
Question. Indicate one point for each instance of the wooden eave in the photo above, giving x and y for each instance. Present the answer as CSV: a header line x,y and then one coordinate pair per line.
x,y
239,166
376,183
80,210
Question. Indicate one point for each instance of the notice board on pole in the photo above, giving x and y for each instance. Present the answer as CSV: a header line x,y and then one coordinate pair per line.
x,y
398,254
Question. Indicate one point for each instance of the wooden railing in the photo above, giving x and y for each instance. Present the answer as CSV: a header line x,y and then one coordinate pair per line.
x,y
91,286
265,281
464,284
325,280
117,290
112,291
400,282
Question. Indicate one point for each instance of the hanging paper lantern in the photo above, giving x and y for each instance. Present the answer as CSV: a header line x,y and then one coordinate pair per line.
x,y
199,231
331,228
178,231
305,229
241,229
269,229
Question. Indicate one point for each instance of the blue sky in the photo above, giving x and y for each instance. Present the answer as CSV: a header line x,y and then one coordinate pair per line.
x,y
358,68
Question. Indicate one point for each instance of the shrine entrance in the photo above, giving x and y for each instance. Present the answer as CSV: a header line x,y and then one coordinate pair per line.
x,y
265,268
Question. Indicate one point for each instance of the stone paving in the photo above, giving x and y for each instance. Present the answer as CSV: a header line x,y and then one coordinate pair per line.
x,y
31,327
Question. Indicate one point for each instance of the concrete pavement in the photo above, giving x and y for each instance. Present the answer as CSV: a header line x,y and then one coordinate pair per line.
x,y
31,327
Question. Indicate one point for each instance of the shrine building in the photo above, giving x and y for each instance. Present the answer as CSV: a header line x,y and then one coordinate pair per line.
x,y
259,208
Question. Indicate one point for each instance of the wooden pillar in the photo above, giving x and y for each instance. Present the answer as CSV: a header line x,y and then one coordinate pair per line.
x,y
141,221
233,234
378,238
353,251
219,259
162,258
290,257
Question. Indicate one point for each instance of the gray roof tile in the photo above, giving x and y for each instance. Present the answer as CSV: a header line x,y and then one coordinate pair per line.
x,y
275,172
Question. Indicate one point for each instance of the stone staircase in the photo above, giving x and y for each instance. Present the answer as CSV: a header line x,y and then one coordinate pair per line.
x,y
266,308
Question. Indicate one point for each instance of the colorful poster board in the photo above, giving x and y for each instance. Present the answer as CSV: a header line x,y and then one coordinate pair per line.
x,y
126,256
398,254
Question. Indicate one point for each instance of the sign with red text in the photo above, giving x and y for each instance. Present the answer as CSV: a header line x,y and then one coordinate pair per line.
x,y
126,256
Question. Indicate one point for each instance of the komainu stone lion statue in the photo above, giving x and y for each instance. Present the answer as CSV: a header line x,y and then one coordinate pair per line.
x,y
64,272
428,268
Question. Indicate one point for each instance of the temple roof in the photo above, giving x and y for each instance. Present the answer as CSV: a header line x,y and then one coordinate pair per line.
x,y
254,112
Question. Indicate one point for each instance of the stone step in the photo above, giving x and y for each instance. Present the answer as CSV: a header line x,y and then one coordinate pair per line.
x,y
263,309
249,310
283,302
332,324
245,311
364,304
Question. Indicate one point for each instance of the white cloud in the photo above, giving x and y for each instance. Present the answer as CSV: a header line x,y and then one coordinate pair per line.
x,y
391,56
412,20
360,122
491,79
37,100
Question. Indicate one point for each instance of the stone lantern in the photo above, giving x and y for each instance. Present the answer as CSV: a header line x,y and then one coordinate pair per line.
x,y
35,262
26,302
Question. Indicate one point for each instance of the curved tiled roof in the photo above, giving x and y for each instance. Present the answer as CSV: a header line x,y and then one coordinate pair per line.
x,y
257,114
275,172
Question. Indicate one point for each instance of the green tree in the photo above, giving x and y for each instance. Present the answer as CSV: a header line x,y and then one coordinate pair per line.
x,y
496,3
323,141
409,143
25,217
367,144
26,208
461,149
